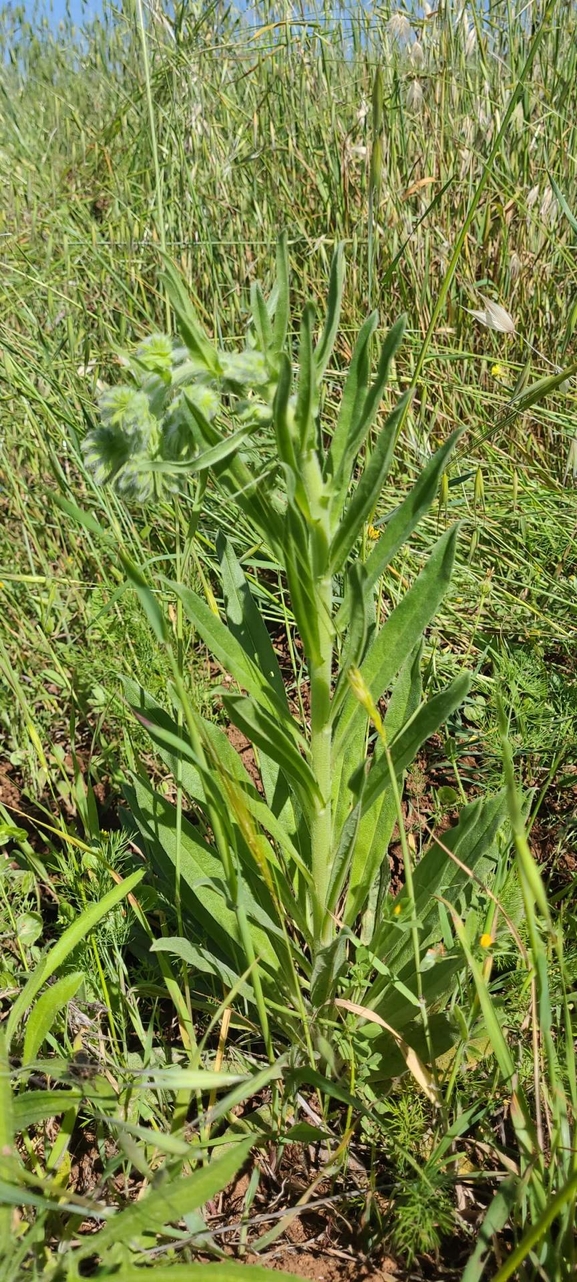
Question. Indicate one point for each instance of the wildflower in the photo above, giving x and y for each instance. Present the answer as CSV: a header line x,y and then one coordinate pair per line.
x,y
486,940
372,532
397,910
494,317
497,371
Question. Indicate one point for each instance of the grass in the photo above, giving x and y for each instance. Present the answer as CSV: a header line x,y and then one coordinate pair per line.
x,y
206,132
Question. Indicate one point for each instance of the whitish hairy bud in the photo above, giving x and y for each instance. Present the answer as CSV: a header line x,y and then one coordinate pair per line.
x,y
514,266
363,111
399,27
415,96
468,33
548,206
533,197
494,317
417,55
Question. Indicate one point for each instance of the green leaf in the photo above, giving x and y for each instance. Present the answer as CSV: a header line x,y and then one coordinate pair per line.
x,y
306,407
262,729
204,893
147,598
43,1014
282,414
362,422
471,839
301,583
353,398
7,1151
66,944
402,522
216,454
85,519
245,620
533,1235
168,1203
187,320
571,219
356,636
326,342
334,1090
281,304
223,1271
228,650
261,319
368,489
495,1219
375,828
174,747
328,965
423,724
199,959
401,632
33,1107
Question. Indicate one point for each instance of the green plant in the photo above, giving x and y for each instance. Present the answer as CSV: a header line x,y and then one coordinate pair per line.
x,y
282,881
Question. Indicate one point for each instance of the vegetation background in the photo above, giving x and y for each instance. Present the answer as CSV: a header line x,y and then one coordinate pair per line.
x,y
202,132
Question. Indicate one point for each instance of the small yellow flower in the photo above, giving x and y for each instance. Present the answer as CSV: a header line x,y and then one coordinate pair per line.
x,y
486,941
372,532
497,371
398,910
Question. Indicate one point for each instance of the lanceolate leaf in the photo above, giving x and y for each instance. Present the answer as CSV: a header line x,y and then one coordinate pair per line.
x,y
281,293
245,620
358,613
361,423
43,1015
188,323
261,318
472,839
404,520
261,728
65,945
353,397
170,1201
375,828
227,648
173,747
204,893
147,598
307,385
283,425
423,724
368,489
402,631
327,340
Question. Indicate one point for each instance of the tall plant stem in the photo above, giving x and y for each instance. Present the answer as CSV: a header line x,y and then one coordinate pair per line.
x,y
321,832
153,140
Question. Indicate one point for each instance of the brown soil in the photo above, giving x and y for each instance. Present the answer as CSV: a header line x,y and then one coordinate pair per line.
x,y
329,1266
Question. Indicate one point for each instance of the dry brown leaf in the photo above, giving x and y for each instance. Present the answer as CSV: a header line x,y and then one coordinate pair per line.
x,y
421,1074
